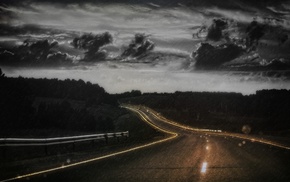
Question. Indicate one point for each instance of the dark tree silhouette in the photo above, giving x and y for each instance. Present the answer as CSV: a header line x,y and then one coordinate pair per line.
x,y
266,111
20,111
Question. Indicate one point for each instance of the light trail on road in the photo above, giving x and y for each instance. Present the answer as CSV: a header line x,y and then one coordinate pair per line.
x,y
157,124
88,161
211,131
145,118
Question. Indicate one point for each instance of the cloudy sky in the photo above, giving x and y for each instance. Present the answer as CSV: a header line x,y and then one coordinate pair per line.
x,y
170,66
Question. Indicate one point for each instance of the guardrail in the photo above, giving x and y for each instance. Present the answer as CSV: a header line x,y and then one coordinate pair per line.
x,y
27,142
59,140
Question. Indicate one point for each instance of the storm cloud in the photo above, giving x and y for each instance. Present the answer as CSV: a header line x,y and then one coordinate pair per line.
x,y
170,27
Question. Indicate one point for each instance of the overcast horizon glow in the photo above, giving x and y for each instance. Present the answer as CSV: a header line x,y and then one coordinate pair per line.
x,y
170,28
115,78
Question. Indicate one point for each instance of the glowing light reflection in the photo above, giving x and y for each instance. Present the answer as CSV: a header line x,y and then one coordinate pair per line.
x,y
143,116
203,168
217,132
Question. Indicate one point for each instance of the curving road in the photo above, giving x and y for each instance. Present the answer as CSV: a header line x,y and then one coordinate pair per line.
x,y
187,154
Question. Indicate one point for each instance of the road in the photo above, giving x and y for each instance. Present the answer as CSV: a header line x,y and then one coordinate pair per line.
x,y
185,155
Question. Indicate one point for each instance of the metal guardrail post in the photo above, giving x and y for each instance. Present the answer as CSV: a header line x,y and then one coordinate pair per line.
x,y
115,136
118,139
106,138
93,143
127,135
122,134
46,147
4,150
5,143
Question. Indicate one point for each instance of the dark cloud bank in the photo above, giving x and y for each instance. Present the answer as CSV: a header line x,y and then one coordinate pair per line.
x,y
218,50
224,3
228,44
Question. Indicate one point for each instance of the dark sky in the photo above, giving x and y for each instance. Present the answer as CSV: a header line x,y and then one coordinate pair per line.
x,y
169,24
226,3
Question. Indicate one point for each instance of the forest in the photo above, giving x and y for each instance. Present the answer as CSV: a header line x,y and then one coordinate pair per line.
x,y
75,105
64,105
266,112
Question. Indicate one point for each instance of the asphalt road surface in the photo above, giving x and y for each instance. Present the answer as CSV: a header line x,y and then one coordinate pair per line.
x,y
190,156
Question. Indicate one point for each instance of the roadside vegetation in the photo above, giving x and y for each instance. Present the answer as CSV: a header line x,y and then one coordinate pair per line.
x,y
51,107
266,112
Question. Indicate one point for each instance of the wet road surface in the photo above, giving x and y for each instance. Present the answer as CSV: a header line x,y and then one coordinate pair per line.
x,y
185,156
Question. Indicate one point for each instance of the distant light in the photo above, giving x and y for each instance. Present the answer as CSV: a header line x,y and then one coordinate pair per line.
x,y
203,168
68,161
207,147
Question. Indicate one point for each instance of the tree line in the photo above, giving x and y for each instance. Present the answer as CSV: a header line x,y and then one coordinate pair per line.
x,y
267,111
22,106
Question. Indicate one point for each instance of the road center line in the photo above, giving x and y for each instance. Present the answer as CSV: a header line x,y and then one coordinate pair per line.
x,y
217,132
